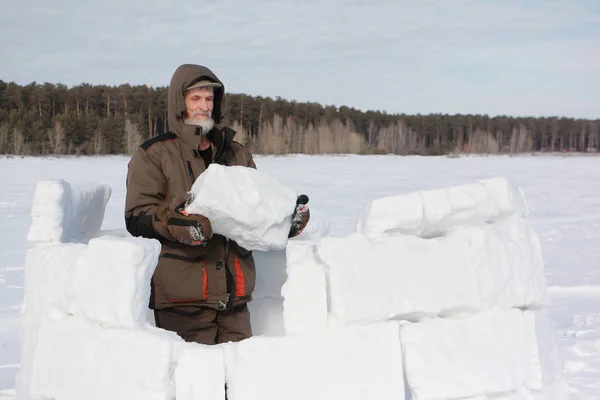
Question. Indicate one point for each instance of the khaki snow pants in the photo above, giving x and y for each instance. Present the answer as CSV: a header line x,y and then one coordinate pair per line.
x,y
205,325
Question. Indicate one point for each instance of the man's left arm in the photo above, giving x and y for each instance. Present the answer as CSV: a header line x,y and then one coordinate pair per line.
x,y
301,214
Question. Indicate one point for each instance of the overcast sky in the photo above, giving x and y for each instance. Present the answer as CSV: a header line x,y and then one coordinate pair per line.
x,y
527,57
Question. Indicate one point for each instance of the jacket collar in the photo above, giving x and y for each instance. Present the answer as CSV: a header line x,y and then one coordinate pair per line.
x,y
221,138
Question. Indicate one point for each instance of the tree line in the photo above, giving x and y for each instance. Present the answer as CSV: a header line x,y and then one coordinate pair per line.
x,y
42,119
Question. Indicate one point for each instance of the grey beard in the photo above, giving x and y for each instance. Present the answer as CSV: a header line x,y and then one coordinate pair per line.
x,y
206,124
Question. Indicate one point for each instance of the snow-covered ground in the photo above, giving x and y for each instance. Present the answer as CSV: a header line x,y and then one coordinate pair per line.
x,y
565,211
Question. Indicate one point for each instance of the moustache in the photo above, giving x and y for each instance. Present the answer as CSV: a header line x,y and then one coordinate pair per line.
x,y
201,113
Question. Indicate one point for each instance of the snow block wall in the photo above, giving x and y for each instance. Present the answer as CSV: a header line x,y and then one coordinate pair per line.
x,y
461,272
85,334
438,295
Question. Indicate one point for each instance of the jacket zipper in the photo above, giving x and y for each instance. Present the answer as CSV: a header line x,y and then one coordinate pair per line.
x,y
190,172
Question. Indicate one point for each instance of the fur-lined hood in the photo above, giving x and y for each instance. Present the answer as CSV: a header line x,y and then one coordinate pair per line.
x,y
183,78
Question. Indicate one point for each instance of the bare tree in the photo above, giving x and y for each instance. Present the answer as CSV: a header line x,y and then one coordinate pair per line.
x,y
594,141
3,138
554,129
97,143
56,135
395,138
18,142
484,142
133,137
310,143
520,140
346,140
270,139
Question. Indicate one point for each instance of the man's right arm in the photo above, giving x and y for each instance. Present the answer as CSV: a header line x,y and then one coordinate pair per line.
x,y
151,213
146,196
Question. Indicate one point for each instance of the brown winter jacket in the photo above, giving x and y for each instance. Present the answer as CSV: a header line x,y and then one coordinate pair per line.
x,y
220,274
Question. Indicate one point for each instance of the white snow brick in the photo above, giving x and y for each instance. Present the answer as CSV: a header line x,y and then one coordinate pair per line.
x,y
304,291
270,273
119,232
29,338
124,267
437,211
498,396
379,278
200,373
509,264
449,358
49,275
63,212
353,363
266,307
266,316
508,199
76,360
245,205
557,390
401,214
72,279
545,359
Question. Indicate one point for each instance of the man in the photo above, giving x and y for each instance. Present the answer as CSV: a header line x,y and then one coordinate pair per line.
x,y
203,282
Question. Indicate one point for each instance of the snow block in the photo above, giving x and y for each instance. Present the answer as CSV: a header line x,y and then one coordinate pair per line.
x,y
200,373
509,264
244,205
546,363
49,275
379,278
270,273
432,212
266,307
107,281
112,284
353,363
478,355
77,360
375,278
304,291
63,212
29,339
558,390
266,316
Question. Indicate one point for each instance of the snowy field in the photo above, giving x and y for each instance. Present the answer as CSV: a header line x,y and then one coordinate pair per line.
x,y
565,211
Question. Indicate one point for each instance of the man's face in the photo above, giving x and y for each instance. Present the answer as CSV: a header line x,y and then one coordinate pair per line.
x,y
199,103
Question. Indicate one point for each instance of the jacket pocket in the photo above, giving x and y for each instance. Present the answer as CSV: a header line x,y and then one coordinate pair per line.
x,y
180,279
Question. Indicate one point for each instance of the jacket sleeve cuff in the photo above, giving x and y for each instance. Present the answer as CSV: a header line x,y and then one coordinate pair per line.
x,y
159,221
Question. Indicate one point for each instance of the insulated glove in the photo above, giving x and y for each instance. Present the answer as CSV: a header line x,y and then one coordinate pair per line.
x,y
173,223
300,217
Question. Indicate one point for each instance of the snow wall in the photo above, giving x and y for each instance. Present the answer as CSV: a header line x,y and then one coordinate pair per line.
x,y
438,294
